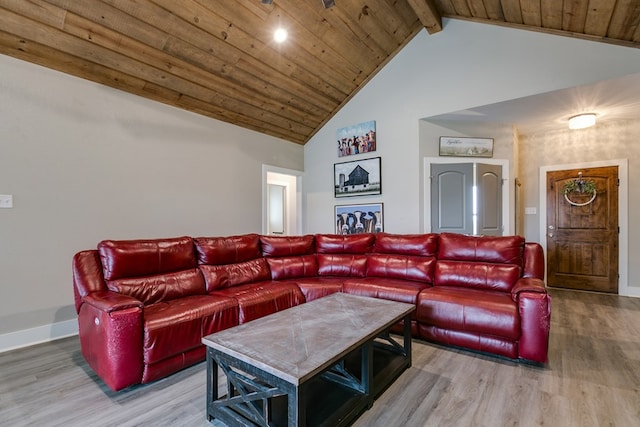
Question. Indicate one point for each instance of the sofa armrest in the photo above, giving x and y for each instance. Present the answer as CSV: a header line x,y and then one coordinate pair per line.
x,y
111,334
533,261
534,308
108,301
527,284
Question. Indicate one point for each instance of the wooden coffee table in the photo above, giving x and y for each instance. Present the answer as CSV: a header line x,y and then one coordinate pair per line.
x,y
319,363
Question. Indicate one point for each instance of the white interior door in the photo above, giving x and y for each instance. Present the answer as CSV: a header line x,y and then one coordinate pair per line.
x,y
452,198
277,209
488,199
466,198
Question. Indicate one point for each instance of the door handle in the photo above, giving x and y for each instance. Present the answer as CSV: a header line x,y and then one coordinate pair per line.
x,y
550,234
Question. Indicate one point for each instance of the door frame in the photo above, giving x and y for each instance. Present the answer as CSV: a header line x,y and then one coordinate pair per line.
x,y
294,210
507,227
623,215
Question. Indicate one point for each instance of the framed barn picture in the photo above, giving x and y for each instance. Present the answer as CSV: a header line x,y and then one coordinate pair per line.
x,y
357,139
356,219
357,178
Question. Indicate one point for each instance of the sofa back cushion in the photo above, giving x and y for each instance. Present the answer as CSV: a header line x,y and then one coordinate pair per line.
x,y
425,245
293,267
419,269
276,246
345,265
224,276
477,275
348,244
137,258
498,249
227,250
161,287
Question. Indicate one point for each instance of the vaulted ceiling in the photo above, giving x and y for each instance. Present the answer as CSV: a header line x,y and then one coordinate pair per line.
x,y
218,57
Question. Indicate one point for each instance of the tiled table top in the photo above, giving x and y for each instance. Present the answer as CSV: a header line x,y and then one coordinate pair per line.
x,y
297,343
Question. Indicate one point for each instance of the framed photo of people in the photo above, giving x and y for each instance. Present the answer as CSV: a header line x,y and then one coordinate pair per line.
x,y
357,139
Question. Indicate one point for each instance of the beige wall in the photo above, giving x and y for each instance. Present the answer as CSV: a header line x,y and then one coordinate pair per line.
x,y
85,162
607,141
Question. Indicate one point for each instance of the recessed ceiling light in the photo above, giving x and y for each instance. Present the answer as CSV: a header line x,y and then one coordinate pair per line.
x,y
280,35
582,121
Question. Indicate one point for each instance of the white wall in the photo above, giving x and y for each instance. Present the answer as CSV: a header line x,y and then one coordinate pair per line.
x,y
466,65
85,162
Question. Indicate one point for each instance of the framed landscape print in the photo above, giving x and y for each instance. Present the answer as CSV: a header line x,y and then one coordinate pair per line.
x,y
357,178
361,218
357,139
466,147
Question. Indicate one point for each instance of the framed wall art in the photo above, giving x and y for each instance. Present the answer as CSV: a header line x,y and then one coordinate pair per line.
x,y
357,178
466,147
357,139
361,218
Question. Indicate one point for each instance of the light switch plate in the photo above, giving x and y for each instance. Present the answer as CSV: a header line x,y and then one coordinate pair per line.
x,y
6,201
530,211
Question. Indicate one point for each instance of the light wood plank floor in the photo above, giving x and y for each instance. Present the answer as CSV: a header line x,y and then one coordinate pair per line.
x,y
592,379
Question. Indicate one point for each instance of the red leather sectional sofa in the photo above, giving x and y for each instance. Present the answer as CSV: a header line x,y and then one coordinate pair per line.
x,y
144,305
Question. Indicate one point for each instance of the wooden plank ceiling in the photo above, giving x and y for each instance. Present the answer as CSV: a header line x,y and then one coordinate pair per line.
x,y
218,57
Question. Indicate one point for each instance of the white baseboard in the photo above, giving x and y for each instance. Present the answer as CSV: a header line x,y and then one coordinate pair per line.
x,y
630,291
40,334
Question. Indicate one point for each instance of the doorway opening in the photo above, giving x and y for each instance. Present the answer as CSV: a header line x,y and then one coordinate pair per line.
x,y
281,201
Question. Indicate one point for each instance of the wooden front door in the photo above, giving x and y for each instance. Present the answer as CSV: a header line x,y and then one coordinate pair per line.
x,y
582,230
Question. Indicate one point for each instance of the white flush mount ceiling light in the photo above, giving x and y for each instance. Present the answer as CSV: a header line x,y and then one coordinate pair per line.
x,y
280,35
582,121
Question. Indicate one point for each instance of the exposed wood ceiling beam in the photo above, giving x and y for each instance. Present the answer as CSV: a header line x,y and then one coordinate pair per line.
x,y
428,14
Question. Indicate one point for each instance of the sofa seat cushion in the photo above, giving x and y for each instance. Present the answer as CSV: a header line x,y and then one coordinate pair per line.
x,y
260,299
470,310
318,287
176,326
390,289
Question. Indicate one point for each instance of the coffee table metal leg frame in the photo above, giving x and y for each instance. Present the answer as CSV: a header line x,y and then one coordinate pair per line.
x,y
249,390
249,399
